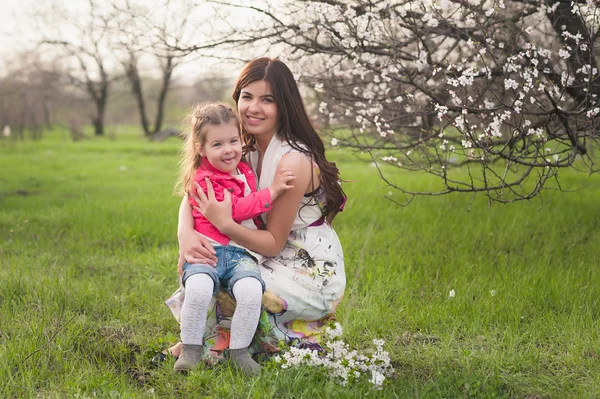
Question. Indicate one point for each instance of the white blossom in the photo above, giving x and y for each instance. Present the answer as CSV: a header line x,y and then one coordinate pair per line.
x,y
510,84
441,110
323,107
592,112
564,54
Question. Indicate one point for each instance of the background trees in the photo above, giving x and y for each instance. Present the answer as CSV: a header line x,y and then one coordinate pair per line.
x,y
488,96
106,49
83,44
32,92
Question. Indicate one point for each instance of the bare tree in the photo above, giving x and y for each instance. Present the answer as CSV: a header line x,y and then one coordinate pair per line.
x,y
143,33
85,42
166,36
489,96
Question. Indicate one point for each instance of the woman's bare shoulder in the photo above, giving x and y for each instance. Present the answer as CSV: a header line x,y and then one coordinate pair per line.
x,y
295,161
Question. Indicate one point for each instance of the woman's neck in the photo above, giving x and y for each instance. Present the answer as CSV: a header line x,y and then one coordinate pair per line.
x,y
262,142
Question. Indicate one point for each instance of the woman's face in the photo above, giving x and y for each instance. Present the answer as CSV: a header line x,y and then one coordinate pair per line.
x,y
258,110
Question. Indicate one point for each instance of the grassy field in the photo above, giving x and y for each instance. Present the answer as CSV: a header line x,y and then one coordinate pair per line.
x,y
88,250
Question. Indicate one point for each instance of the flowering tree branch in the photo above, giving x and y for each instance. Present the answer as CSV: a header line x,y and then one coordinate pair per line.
x,y
491,97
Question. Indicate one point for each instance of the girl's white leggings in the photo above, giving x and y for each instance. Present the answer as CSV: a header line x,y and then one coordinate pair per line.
x,y
198,293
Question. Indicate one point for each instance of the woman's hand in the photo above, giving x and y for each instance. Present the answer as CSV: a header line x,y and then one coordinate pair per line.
x,y
216,212
195,248
180,263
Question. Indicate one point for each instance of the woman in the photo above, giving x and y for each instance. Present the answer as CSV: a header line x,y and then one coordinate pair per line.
x,y
304,266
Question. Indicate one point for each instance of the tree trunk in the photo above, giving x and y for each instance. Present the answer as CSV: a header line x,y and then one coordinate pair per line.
x,y
98,127
47,117
98,120
136,88
166,80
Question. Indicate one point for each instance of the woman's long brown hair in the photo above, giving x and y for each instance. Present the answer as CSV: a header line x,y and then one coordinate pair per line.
x,y
293,125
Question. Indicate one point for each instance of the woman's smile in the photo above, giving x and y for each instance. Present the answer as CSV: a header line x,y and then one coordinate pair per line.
x,y
253,120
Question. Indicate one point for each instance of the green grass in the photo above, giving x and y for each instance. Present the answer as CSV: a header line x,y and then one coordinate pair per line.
x,y
88,250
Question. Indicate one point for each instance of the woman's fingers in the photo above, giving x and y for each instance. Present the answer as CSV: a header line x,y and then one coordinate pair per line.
x,y
200,259
200,197
180,263
202,255
210,190
227,197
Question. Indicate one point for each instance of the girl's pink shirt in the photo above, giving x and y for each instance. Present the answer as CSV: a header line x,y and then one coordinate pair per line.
x,y
243,207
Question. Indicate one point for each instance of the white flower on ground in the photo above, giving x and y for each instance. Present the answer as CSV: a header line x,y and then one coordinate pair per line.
x,y
493,292
334,332
334,141
377,378
340,362
452,294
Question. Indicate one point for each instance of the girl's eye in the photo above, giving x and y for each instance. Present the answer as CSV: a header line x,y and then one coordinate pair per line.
x,y
234,141
268,100
217,145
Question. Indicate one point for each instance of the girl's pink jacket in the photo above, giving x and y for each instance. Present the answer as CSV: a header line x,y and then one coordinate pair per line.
x,y
243,208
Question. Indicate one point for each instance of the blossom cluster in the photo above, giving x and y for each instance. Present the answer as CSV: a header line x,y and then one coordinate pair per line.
x,y
340,362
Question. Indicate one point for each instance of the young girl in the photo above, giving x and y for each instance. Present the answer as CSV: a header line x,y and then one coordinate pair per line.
x,y
213,151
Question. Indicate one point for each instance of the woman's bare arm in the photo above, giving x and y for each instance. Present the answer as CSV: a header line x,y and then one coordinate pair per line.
x,y
193,247
271,241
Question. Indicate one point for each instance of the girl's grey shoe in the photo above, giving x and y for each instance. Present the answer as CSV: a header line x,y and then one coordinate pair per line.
x,y
242,359
189,358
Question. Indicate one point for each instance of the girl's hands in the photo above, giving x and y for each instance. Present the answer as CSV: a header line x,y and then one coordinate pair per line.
x,y
281,182
217,212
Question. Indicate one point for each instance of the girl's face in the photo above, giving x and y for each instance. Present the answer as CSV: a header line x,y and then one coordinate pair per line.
x,y
258,110
223,147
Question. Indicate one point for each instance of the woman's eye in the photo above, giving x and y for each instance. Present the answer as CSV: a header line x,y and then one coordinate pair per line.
x,y
217,145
